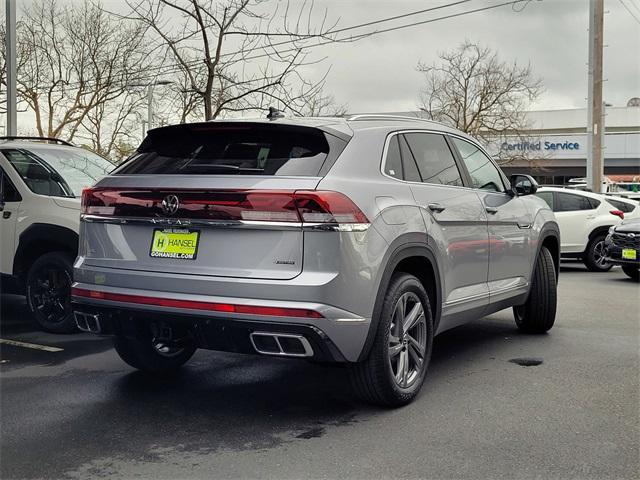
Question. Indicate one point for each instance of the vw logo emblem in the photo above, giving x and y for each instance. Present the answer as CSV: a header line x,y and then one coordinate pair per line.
x,y
631,235
170,205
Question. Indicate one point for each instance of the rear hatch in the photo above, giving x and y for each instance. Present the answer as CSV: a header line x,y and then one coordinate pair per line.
x,y
218,199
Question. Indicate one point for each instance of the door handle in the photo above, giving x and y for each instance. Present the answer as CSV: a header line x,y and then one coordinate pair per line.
x,y
491,210
6,215
436,207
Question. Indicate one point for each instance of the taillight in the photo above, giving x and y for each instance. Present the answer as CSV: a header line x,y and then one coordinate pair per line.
x,y
300,206
617,213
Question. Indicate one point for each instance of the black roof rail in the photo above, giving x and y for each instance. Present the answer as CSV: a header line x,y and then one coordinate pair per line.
x,y
41,139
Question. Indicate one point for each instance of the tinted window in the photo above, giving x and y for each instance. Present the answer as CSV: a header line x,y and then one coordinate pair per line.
x,y
567,202
9,191
37,174
231,148
547,197
435,160
78,167
622,206
410,168
393,162
484,174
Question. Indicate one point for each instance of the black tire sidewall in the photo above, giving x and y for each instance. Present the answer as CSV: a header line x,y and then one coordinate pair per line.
x,y
140,354
64,262
400,285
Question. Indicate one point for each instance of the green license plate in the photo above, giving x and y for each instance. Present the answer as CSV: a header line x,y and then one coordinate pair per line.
x,y
629,254
175,243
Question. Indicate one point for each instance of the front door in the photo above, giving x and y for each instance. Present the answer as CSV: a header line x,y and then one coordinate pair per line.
x,y
509,225
8,219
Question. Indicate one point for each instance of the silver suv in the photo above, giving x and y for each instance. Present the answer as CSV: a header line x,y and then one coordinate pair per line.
x,y
344,240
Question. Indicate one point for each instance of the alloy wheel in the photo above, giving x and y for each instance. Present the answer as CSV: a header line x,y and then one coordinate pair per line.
x,y
49,293
407,340
599,254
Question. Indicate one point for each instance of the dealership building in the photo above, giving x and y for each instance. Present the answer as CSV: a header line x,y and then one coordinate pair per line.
x,y
555,145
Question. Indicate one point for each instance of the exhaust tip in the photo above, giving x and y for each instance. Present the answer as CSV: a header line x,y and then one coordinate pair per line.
x,y
87,322
281,344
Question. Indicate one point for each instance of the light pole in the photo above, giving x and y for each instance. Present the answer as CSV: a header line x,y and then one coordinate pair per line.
x,y
150,87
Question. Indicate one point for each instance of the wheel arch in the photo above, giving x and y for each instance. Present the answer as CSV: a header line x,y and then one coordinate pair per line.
x,y
415,258
601,230
38,239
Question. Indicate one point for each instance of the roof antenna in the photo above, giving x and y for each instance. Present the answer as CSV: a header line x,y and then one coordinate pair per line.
x,y
274,113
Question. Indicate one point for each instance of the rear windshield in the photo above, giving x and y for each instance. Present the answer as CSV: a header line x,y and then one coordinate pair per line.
x,y
234,149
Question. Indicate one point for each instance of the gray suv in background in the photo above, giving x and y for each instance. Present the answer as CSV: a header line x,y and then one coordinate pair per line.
x,y
350,240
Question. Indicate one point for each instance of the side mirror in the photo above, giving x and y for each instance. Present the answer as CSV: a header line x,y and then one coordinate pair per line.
x,y
523,184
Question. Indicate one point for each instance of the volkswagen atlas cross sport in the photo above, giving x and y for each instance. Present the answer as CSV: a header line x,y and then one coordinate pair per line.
x,y
343,240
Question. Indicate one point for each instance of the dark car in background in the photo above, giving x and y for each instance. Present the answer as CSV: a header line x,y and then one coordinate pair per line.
x,y
622,247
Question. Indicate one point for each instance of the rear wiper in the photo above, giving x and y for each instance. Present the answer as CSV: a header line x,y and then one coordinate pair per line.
x,y
219,167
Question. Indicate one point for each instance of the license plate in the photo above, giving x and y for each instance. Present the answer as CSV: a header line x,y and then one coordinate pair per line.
x,y
629,254
176,243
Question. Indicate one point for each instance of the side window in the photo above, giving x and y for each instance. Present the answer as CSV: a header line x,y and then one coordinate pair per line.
x,y
393,162
9,191
484,174
408,162
622,206
37,175
547,197
434,158
568,202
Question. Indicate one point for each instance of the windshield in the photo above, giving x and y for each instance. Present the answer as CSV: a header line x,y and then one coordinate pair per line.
x,y
78,167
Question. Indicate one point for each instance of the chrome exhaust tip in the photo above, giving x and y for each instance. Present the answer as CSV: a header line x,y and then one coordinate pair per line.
x,y
87,322
281,344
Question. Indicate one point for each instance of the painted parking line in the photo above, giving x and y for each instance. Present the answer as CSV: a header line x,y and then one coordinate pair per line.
x,y
33,346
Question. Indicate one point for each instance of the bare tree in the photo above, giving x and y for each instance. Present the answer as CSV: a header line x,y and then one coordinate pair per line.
x,y
77,64
471,89
322,105
234,55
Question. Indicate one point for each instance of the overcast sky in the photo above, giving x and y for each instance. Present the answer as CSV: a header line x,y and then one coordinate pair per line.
x,y
378,73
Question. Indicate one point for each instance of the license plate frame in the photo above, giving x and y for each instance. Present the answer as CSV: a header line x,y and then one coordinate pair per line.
x,y
629,254
186,249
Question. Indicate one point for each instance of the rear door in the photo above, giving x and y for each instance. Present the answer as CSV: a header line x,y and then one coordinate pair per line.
x,y
454,218
575,214
509,223
208,199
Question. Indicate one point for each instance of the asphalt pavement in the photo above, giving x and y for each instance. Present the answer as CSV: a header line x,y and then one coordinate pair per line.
x,y
574,412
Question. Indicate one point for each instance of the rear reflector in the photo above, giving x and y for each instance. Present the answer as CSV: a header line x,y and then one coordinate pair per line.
x,y
196,305
617,213
306,206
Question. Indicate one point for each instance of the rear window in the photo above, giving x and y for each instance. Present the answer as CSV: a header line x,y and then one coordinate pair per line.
x,y
622,206
235,149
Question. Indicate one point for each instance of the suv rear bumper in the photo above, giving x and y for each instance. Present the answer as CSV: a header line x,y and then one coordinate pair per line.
x,y
336,335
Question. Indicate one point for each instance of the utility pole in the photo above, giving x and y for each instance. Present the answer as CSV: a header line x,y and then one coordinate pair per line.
x,y
12,107
595,116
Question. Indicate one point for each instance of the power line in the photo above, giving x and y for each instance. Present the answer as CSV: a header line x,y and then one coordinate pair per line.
x,y
348,39
630,12
163,70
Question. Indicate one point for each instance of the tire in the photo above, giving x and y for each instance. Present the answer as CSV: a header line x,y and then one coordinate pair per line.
x,y
538,313
381,378
49,292
632,272
594,255
143,355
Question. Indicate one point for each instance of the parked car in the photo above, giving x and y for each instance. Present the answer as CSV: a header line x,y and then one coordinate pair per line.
x,y
622,247
40,187
345,240
585,219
